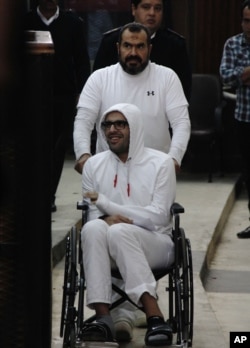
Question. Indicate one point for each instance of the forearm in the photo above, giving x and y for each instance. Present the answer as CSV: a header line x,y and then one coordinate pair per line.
x,y
181,127
83,126
230,69
157,211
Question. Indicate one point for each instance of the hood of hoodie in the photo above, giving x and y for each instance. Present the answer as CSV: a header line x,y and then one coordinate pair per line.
x,y
135,121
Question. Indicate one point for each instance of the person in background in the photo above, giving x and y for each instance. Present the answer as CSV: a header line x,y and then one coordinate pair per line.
x,y
128,221
168,48
71,70
235,72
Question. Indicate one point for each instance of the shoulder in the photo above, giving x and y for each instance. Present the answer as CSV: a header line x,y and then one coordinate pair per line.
x,y
106,71
157,155
111,35
30,14
170,34
70,16
235,39
161,70
98,160
112,32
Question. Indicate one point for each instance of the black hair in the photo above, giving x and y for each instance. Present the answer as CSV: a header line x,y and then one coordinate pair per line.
x,y
245,3
136,2
134,28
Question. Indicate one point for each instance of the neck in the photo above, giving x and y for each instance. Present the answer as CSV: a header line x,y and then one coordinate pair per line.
x,y
47,12
123,157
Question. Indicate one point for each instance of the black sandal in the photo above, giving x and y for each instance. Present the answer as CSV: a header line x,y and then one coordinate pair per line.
x,y
158,332
97,332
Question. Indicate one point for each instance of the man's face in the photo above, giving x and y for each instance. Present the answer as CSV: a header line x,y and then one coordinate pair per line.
x,y
117,139
149,13
134,51
245,24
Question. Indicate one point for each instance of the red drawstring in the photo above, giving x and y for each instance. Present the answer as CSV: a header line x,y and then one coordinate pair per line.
x,y
115,180
128,186
128,190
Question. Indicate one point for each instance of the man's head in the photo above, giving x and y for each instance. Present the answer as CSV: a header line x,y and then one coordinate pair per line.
x,y
134,48
245,21
122,128
148,13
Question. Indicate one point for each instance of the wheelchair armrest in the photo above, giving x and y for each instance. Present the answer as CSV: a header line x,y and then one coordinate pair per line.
x,y
82,205
176,208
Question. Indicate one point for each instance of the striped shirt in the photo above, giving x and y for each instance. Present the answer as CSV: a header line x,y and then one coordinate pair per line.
x,y
236,57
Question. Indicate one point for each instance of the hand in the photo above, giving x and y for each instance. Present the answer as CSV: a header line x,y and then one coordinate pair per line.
x,y
246,76
177,166
117,219
80,162
93,196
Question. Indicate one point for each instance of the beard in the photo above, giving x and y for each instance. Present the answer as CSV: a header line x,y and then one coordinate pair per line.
x,y
133,69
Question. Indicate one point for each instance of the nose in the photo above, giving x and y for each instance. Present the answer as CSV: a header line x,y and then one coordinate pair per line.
x,y
133,50
151,11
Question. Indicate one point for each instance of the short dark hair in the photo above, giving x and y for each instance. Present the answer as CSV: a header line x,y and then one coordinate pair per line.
x,y
245,3
136,2
134,28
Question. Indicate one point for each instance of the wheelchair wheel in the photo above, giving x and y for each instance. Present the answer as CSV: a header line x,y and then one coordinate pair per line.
x,y
191,294
184,293
68,316
80,316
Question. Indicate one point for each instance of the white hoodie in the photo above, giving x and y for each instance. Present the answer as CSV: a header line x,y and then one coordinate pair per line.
x,y
146,184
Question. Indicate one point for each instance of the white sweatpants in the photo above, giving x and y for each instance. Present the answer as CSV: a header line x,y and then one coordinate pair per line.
x,y
133,249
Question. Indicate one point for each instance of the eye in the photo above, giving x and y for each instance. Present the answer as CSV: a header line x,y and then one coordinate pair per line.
x,y
141,46
126,45
145,6
119,123
158,8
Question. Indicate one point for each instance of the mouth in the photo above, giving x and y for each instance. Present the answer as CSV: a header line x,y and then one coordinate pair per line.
x,y
114,139
133,60
151,22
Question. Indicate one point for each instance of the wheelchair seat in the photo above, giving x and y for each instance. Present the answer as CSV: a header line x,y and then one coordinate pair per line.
x,y
179,288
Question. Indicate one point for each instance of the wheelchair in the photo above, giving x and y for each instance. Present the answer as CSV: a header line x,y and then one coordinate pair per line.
x,y
180,287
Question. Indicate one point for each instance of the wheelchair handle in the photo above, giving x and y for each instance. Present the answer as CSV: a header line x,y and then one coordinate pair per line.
x,y
176,208
81,205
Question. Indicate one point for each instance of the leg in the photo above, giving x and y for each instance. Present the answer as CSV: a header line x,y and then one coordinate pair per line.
x,y
130,246
96,262
243,133
133,250
64,112
97,269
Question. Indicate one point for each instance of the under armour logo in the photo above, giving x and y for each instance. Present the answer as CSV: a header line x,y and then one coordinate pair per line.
x,y
150,93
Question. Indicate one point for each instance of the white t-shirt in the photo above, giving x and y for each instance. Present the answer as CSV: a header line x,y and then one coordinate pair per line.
x,y
158,93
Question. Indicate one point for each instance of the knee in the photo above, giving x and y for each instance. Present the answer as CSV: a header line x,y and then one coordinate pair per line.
x,y
116,235
93,230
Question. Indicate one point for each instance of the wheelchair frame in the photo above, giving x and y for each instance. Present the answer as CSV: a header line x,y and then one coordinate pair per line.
x,y
180,286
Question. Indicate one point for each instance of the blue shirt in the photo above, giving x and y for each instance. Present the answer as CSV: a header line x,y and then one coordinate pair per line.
x,y
236,57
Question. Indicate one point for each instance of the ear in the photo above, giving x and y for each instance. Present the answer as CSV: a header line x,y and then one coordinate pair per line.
x,y
118,48
133,10
149,49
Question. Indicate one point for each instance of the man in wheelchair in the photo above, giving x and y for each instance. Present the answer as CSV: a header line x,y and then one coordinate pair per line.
x,y
131,189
